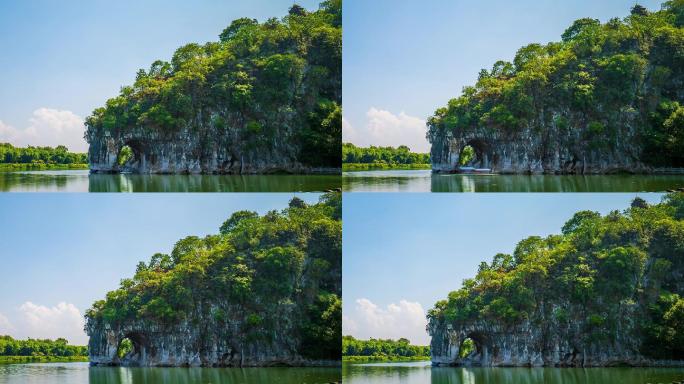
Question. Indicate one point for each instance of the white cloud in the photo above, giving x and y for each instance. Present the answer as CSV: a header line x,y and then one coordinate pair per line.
x,y
383,128
405,319
63,320
5,326
48,127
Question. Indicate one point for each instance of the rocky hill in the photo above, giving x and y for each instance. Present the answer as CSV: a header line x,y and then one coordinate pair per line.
x,y
607,98
608,290
264,291
265,98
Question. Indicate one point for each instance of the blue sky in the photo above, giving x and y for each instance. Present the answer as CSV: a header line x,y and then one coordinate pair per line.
x,y
403,59
62,59
402,252
61,252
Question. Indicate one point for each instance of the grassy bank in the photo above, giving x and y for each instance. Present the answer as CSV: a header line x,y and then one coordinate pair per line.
x,y
14,167
350,167
41,359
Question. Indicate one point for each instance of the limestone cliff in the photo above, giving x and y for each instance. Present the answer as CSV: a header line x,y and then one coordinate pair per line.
x,y
265,98
608,291
265,291
607,98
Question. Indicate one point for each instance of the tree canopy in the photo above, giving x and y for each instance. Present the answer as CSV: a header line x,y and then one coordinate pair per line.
x,y
10,154
40,348
383,349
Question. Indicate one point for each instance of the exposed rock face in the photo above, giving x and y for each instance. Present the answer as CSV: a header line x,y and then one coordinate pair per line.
x,y
207,345
188,152
546,149
530,345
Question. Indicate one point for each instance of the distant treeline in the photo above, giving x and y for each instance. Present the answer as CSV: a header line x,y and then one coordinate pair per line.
x,y
383,157
10,154
39,348
382,350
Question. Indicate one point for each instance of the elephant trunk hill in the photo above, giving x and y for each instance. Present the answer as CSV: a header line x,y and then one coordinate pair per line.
x,y
607,98
264,291
265,98
608,291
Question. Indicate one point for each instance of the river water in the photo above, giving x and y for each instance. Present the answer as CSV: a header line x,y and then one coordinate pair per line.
x,y
82,373
423,373
83,181
425,181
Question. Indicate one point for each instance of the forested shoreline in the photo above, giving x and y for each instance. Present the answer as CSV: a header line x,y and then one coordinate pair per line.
x,y
40,158
382,350
377,158
40,350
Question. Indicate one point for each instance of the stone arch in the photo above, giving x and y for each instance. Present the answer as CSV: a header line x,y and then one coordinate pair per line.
x,y
467,348
129,156
472,349
480,157
131,349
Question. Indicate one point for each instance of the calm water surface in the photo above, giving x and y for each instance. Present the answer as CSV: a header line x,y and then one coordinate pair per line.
x,y
82,181
423,373
82,373
425,181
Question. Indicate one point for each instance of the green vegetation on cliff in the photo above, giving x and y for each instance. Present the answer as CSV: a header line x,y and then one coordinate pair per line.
x,y
608,276
240,282
354,350
358,159
602,83
36,350
39,158
258,78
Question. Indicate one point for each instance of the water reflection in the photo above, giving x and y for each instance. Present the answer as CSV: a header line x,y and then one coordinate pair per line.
x,y
425,181
82,181
81,373
424,374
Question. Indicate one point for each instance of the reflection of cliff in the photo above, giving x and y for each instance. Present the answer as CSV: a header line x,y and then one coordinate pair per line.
x,y
265,291
607,98
266,98
607,291
212,183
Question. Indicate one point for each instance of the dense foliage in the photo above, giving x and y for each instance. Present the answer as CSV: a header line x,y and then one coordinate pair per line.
x,y
10,154
39,348
253,270
383,157
601,82
382,350
251,84
601,273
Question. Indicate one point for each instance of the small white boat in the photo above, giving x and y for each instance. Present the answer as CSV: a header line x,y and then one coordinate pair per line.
x,y
474,170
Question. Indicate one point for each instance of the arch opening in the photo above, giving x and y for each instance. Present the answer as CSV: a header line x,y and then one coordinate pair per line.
x,y
125,156
467,156
126,348
468,348
473,156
